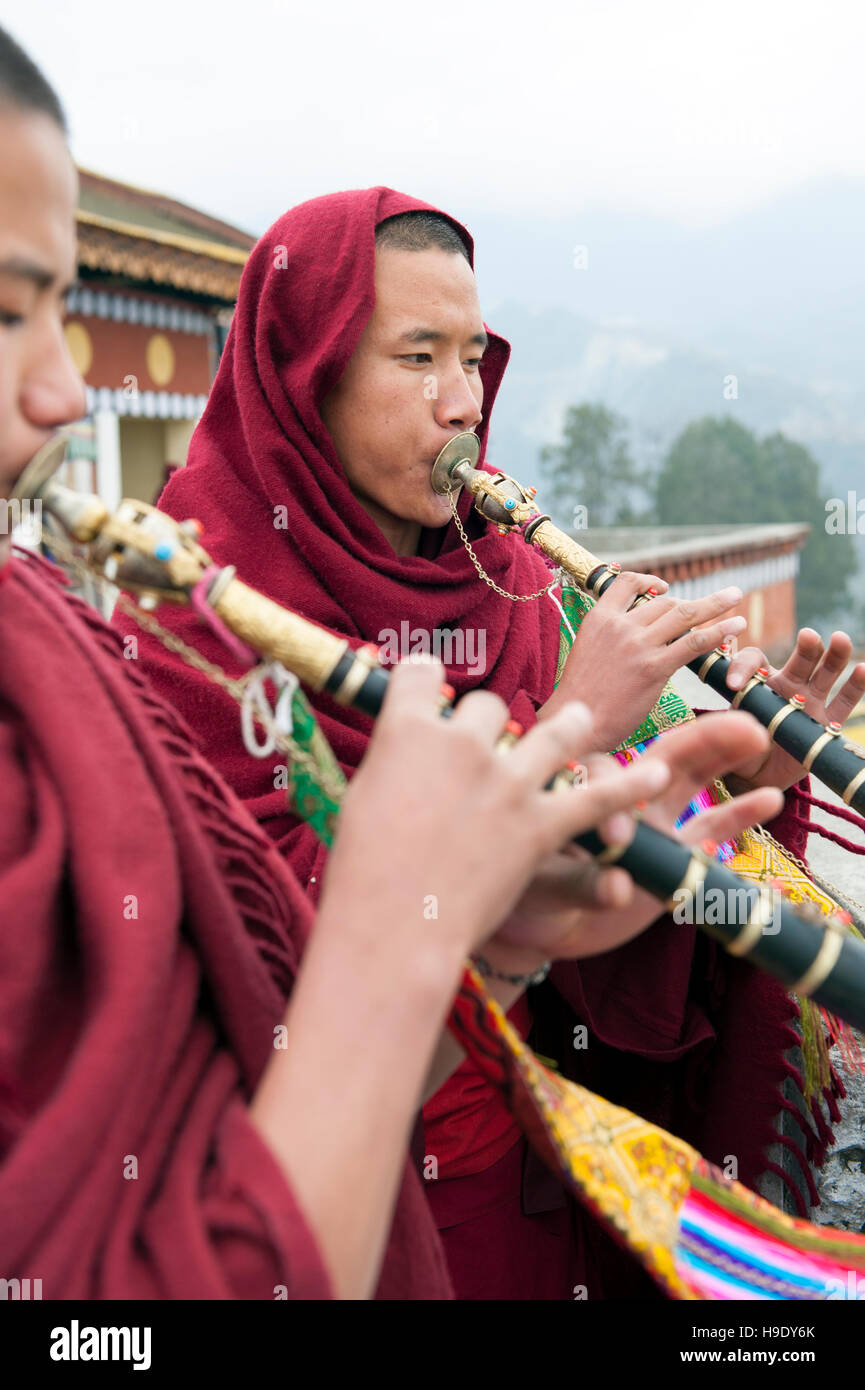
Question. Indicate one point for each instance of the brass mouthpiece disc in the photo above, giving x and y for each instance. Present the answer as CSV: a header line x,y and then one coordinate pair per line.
x,y
463,448
41,467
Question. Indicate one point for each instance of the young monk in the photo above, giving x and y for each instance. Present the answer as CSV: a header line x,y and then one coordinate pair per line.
x,y
357,350
154,1143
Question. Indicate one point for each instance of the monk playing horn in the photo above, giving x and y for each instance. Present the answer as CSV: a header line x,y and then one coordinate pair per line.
x,y
357,350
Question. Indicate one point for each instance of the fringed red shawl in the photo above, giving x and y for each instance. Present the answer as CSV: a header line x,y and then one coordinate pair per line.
x,y
150,936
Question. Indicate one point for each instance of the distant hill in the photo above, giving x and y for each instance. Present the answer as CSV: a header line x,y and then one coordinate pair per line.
x,y
661,315
660,384
781,287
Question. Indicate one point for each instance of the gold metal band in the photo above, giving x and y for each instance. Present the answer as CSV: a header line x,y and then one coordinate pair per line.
x,y
357,674
220,584
852,787
780,717
505,742
596,587
641,598
709,663
816,747
760,917
612,853
749,685
823,963
698,867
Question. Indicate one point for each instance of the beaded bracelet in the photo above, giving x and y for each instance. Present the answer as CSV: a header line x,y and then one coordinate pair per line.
x,y
537,977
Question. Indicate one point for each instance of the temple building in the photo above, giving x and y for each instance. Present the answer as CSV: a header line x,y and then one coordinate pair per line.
x,y
762,560
157,282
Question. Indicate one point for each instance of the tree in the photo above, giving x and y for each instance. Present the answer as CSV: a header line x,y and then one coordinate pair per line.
x,y
592,468
719,471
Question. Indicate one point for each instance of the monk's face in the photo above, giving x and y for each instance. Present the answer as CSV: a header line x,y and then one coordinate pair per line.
x,y
411,385
40,388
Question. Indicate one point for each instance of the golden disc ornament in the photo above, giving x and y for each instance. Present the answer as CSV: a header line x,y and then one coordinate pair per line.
x,y
160,359
80,346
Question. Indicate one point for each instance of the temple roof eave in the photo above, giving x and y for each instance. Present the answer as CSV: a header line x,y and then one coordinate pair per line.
x,y
181,263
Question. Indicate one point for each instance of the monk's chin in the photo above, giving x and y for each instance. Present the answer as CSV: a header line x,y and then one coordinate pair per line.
x,y
437,520
436,511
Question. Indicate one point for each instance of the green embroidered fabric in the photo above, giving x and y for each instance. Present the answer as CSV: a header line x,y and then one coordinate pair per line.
x,y
308,797
670,709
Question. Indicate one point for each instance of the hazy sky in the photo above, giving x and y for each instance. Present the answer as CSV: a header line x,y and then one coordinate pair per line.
x,y
677,108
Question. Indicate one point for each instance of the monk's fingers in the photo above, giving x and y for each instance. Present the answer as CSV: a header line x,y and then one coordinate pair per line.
x,y
832,666
743,664
617,830
614,889
413,686
849,696
551,744
726,821
699,641
573,878
707,748
579,880
688,613
621,593
650,605
479,715
565,814
801,663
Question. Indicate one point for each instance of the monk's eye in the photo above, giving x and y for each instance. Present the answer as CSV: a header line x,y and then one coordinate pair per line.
x,y
418,357
8,320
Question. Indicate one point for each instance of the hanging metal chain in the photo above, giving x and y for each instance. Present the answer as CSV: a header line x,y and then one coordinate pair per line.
x,y
515,598
236,688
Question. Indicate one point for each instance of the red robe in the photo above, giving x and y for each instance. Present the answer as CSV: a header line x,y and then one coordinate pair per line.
x,y
672,1021
150,936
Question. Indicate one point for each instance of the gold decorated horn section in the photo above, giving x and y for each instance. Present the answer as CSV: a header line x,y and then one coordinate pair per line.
x,y
499,498
312,653
149,553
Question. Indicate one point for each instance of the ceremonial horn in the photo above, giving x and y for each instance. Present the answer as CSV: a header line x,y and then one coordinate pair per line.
x,y
820,748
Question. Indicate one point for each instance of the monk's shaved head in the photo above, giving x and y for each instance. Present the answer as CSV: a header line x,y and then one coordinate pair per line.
x,y
420,231
22,85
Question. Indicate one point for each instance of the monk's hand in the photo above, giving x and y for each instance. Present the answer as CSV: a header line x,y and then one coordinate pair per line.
x,y
811,670
623,656
438,825
576,909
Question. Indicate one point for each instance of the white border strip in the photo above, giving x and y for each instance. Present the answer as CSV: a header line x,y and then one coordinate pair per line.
x,y
759,575
149,405
124,308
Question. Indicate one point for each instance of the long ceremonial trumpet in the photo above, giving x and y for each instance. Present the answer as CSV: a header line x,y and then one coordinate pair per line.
x,y
499,498
146,551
